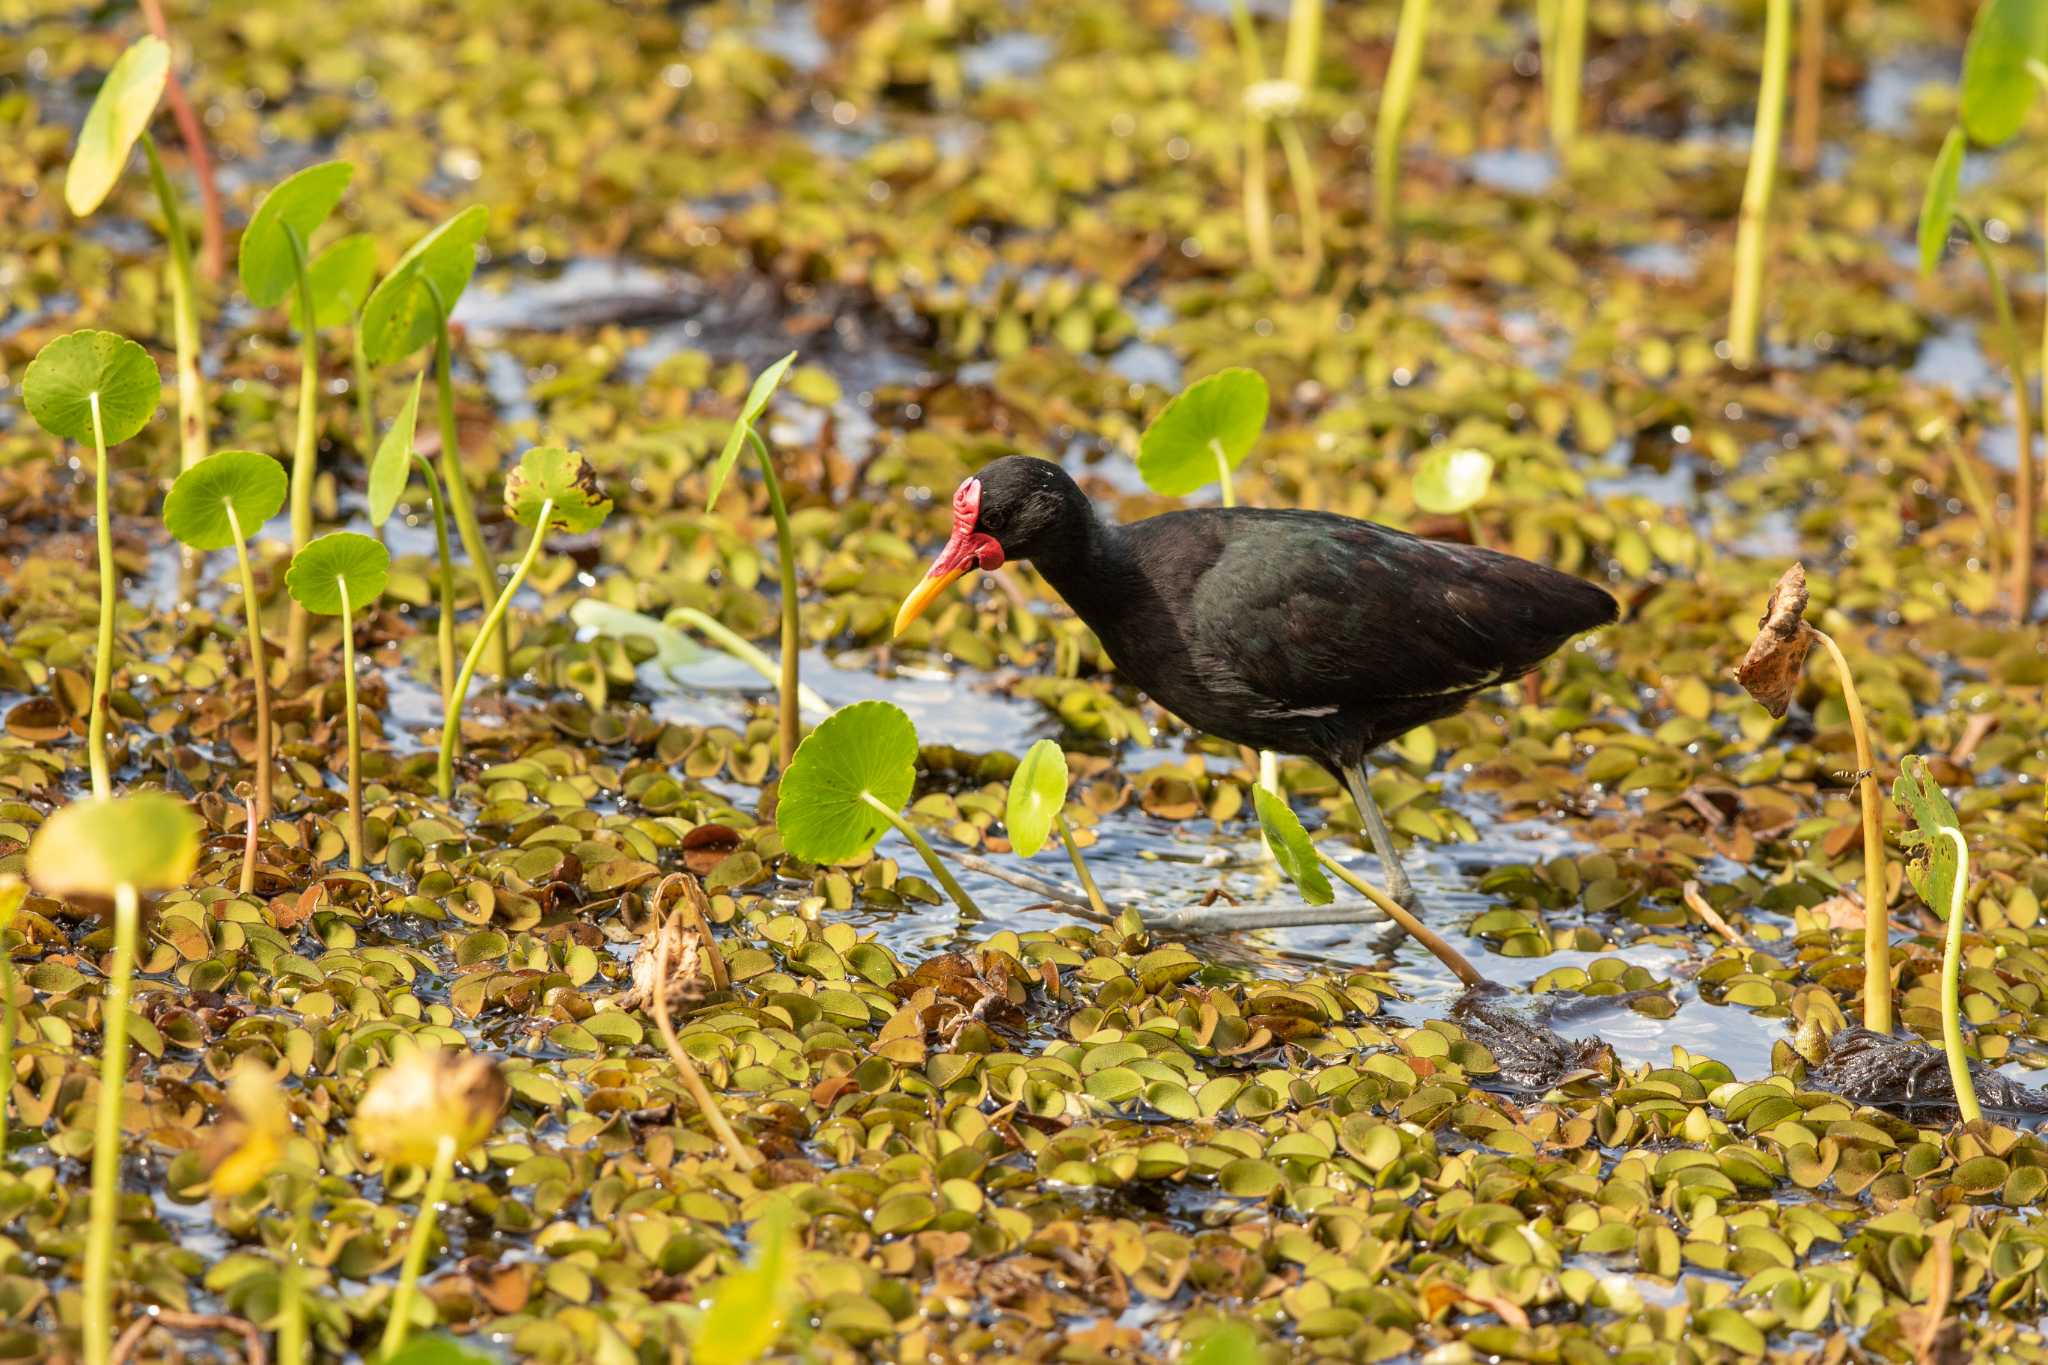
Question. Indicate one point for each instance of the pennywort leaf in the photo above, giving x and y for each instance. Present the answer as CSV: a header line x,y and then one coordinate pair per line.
x,y
866,749
563,482
149,841
196,510
1213,422
318,572
1448,482
61,383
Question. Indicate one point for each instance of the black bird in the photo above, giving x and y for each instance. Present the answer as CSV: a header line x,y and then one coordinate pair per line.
x,y
1300,632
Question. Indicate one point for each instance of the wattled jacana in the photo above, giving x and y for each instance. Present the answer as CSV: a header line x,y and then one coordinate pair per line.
x,y
1301,632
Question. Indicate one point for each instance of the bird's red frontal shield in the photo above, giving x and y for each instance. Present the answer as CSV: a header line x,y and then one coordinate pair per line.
x,y
968,548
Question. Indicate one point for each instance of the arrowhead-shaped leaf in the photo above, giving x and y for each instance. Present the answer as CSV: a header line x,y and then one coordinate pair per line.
x,y
750,413
119,115
392,467
294,209
1938,205
402,315
1997,88
1038,790
340,280
1291,847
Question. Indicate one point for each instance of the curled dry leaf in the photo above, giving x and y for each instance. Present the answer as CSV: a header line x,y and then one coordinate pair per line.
x,y
1770,670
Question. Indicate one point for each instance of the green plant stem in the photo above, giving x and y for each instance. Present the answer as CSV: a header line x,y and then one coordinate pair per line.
x,y
192,419
1395,97
305,445
1304,42
1301,174
1564,70
1223,484
480,561
968,908
399,1323
1414,927
741,1155
445,775
1059,822
1951,983
366,402
1877,967
1754,223
1258,209
106,1143
6,1040
103,651
1809,91
291,1306
2023,421
355,729
444,563
745,650
257,670
792,622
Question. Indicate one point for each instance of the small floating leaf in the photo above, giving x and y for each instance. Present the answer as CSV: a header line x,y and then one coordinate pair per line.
x,y
1448,482
563,482
149,841
196,510
1291,848
60,384
750,413
318,572
293,210
1037,792
392,467
868,748
120,114
1225,413
403,312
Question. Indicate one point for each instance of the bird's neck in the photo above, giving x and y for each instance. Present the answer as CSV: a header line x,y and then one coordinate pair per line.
x,y
1091,568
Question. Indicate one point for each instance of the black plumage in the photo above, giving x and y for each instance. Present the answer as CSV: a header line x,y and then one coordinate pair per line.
x,y
1301,632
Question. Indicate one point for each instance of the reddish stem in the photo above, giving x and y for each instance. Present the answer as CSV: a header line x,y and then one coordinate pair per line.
x,y
213,237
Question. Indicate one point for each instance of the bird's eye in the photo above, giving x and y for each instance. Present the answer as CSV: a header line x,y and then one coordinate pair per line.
x,y
992,521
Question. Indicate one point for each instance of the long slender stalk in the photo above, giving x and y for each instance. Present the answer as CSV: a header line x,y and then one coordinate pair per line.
x,y
193,134
1223,484
1414,927
445,775
1095,901
1258,208
473,544
1809,89
305,445
106,1141
968,908
192,418
1301,174
1564,72
1951,984
738,1152
1304,42
399,1323
1752,227
366,401
1395,98
2023,422
745,650
444,562
257,668
6,1040
103,650
792,623
291,1305
1877,967
355,729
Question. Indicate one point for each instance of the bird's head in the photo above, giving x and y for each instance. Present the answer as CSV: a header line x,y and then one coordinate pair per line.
x,y
1016,508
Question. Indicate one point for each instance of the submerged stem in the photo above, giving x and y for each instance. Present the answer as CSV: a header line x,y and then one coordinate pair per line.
x,y
792,622
968,908
399,1323
1415,928
1095,901
1951,983
1877,970
103,650
1744,306
355,729
98,1317
473,544
257,670
1395,97
192,420
452,715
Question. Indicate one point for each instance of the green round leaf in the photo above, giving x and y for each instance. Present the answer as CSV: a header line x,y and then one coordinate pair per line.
x,y
317,573
149,841
1451,481
1997,88
392,467
564,483
1228,1343
1291,848
1938,206
867,748
1037,793
61,382
295,208
197,508
750,413
340,280
1221,415
119,115
438,1348
402,314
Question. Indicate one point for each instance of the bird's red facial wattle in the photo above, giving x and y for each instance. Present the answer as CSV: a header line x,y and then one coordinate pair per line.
x,y
967,549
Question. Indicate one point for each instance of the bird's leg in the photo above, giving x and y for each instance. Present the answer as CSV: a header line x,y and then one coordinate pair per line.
x,y
1398,885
